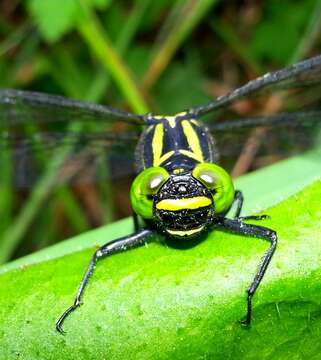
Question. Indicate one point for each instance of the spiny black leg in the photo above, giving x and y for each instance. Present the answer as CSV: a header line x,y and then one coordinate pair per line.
x,y
136,222
239,199
110,248
253,217
259,231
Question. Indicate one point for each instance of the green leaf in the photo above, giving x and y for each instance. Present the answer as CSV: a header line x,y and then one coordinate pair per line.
x,y
56,18
270,41
178,26
101,4
158,302
53,19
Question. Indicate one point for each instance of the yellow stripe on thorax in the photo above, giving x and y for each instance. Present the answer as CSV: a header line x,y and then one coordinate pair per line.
x,y
157,146
157,143
183,203
193,142
164,157
195,122
191,155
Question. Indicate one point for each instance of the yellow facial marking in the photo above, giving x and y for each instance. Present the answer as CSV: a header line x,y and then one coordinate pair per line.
x,y
157,144
185,232
183,203
178,171
193,141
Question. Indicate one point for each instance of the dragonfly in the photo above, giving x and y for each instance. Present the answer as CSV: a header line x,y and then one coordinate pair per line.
x,y
179,190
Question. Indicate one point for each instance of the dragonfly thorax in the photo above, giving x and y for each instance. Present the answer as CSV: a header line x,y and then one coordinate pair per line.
x,y
175,142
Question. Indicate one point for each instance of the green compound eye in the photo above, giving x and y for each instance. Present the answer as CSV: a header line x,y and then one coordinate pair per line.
x,y
146,184
217,180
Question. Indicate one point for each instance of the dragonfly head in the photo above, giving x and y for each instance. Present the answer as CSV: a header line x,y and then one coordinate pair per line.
x,y
182,205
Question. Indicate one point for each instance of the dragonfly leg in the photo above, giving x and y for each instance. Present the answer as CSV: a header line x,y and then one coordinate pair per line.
x,y
254,217
239,199
136,222
118,245
258,231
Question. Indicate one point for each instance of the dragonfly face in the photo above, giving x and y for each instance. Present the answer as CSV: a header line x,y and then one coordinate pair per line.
x,y
182,205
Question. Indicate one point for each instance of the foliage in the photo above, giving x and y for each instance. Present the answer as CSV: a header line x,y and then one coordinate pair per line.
x,y
54,23
160,302
155,302
148,56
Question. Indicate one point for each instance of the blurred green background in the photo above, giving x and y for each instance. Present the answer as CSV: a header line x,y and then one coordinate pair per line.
x,y
160,56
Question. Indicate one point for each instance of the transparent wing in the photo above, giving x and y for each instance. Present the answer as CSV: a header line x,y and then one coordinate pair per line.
x,y
21,107
309,118
251,143
37,129
83,158
91,157
302,74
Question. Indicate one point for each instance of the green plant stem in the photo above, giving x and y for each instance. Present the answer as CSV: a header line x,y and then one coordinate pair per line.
x,y
189,16
99,43
310,36
12,236
234,41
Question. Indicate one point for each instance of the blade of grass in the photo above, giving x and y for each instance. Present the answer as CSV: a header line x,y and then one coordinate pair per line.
x,y
131,26
310,36
76,215
101,46
46,231
7,198
106,190
15,37
65,71
15,232
235,43
127,33
190,15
